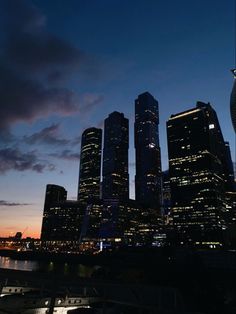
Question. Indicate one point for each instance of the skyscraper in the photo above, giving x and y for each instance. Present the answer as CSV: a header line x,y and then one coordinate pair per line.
x,y
55,194
65,221
233,102
198,179
228,169
115,183
166,193
90,165
148,160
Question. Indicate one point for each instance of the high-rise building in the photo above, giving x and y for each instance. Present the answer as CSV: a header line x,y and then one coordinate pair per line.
x,y
115,184
65,221
147,148
92,219
120,222
228,169
90,165
55,194
166,193
233,102
198,176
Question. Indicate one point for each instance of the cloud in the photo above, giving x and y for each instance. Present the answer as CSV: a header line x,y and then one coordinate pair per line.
x,y
6,136
29,44
25,99
77,140
36,68
100,124
6,203
33,64
66,155
14,159
48,135
39,51
90,101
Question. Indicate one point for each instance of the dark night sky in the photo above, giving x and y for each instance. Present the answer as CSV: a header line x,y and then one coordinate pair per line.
x,y
66,64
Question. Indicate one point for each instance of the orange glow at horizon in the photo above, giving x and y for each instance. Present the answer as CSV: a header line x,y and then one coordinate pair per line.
x,y
29,233
27,220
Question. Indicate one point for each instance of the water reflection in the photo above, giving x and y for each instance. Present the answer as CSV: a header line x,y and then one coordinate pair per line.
x,y
7,262
51,266
65,268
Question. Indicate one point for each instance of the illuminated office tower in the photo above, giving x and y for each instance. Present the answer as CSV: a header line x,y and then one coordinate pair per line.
x,y
65,221
115,183
55,194
90,165
228,169
233,102
166,193
198,175
148,160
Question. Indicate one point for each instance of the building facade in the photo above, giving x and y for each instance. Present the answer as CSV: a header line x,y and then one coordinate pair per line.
x,y
197,157
166,195
147,149
90,165
55,194
233,102
66,219
228,169
115,184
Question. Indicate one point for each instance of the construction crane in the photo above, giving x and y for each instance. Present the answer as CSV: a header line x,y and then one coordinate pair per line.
x,y
26,228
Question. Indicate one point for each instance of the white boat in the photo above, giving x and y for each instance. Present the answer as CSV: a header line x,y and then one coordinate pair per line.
x,y
14,289
35,303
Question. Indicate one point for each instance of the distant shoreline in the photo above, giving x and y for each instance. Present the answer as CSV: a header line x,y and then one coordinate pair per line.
x,y
48,256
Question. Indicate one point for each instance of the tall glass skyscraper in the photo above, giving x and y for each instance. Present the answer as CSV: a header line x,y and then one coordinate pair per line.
x,y
199,174
90,165
115,183
233,102
147,148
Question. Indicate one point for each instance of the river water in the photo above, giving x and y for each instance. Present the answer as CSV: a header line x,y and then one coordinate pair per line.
x,y
48,266
7,262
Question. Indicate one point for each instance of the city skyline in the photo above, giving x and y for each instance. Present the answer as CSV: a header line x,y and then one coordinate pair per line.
x,y
56,137
192,204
